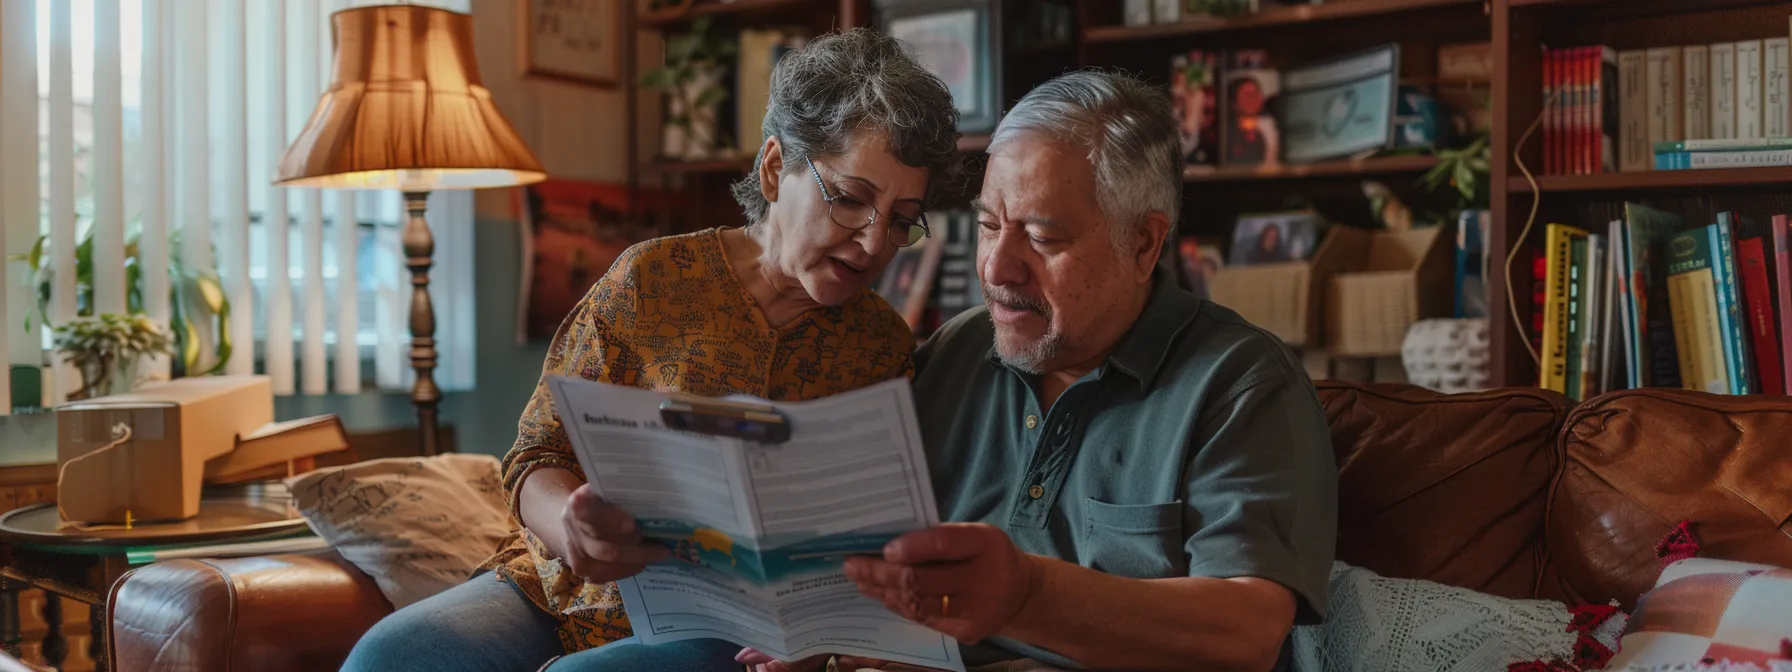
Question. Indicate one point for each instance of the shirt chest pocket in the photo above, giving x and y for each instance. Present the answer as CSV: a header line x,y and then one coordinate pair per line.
x,y
1140,541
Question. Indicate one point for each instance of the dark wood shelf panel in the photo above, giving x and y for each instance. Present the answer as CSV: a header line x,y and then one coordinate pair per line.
x,y
973,143
1269,16
723,165
672,17
1381,165
1655,179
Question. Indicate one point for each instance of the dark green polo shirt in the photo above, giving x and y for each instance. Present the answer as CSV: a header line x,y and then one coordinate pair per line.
x,y
1198,449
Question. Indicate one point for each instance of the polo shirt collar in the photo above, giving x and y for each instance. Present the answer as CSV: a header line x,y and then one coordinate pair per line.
x,y
1142,351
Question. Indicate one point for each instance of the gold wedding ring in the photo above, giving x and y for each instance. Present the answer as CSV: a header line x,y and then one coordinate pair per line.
x,y
945,604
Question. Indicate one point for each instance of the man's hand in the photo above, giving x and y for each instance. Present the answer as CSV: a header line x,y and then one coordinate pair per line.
x,y
966,580
603,543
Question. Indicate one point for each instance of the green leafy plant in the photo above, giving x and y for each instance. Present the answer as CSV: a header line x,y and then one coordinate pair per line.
x,y
688,57
107,346
199,309
1466,171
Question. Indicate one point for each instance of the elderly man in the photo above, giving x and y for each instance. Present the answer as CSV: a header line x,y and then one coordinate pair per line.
x,y
1142,480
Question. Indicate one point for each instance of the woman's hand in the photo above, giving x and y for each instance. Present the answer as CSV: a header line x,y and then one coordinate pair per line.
x,y
602,542
598,541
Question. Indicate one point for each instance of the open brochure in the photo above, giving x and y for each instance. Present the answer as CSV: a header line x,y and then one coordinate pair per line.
x,y
763,529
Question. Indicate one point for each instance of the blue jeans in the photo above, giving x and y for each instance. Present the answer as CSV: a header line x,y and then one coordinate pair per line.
x,y
486,625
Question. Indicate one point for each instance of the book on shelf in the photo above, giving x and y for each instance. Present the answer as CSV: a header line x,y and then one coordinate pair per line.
x,y
1776,115
1723,90
1782,273
1695,91
1560,242
1752,265
1729,305
1633,106
1664,105
1653,346
1749,66
1692,294
1652,302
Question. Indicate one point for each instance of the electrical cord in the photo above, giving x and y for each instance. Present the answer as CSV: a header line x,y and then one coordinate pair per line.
x,y
1529,222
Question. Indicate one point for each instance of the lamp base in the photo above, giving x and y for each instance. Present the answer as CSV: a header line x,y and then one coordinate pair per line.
x,y
419,248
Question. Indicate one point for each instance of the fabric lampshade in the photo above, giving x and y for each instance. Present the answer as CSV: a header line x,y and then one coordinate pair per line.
x,y
406,110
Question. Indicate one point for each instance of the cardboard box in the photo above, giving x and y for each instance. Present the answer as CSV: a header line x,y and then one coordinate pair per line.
x,y
1281,297
174,428
1407,277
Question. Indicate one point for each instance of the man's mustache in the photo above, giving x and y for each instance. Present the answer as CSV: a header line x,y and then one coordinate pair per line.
x,y
1016,301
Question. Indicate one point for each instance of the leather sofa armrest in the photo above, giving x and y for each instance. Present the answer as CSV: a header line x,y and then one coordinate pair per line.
x,y
274,613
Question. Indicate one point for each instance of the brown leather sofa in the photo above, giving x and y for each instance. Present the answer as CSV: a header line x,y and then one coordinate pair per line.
x,y
1513,492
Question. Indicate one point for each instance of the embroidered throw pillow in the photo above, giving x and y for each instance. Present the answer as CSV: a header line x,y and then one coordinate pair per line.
x,y
417,525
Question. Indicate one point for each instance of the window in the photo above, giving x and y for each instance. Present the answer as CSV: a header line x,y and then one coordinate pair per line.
x,y
227,161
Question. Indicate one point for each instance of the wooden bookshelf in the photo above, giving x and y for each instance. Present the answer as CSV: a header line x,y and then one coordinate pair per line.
x,y
972,144
1269,17
1381,165
1775,177
727,165
671,17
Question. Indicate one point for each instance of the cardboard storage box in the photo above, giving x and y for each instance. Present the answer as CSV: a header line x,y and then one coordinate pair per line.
x,y
174,428
1283,297
1407,277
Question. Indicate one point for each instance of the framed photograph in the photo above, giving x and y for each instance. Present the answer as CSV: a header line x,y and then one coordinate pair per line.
x,y
957,40
1275,237
577,41
907,283
1341,107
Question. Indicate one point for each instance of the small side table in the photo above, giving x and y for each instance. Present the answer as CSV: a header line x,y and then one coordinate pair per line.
x,y
40,551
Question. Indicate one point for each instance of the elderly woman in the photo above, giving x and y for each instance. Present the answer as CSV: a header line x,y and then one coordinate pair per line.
x,y
857,137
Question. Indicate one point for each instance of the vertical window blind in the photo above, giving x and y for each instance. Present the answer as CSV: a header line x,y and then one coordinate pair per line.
x,y
142,135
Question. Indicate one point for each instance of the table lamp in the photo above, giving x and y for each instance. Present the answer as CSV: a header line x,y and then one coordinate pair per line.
x,y
406,110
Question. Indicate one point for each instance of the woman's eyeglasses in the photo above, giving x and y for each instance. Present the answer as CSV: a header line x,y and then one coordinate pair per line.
x,y
851,212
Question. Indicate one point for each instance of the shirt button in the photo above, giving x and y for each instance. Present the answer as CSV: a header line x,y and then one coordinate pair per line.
x,y
1036,492
1032,421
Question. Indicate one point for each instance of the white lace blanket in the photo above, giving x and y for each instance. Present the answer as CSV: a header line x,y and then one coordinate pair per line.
x,y
1378,624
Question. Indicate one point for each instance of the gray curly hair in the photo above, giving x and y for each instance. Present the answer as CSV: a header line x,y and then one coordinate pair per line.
x,y
852,82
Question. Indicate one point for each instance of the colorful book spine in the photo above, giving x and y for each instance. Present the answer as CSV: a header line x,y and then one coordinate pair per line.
x,y
1782,250
1627,318
1647,231
1729,304
1633,111
1757,297
1574,375
1592,307
1692,295
1714,160
1559,242
1583,110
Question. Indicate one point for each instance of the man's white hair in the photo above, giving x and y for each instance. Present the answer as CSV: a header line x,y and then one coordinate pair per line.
x,y
1130,134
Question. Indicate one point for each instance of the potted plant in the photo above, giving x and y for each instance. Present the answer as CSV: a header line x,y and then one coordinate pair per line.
x,y
106,350
696,63
200,310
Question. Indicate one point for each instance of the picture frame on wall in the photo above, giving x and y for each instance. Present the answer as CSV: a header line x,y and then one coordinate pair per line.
x,y
958,41
574,41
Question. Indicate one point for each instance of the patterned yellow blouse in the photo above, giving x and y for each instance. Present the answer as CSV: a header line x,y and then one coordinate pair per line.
x,y
670,315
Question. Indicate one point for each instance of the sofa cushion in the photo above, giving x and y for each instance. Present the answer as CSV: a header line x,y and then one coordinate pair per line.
x,y
417,525
1640,461
1446,488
